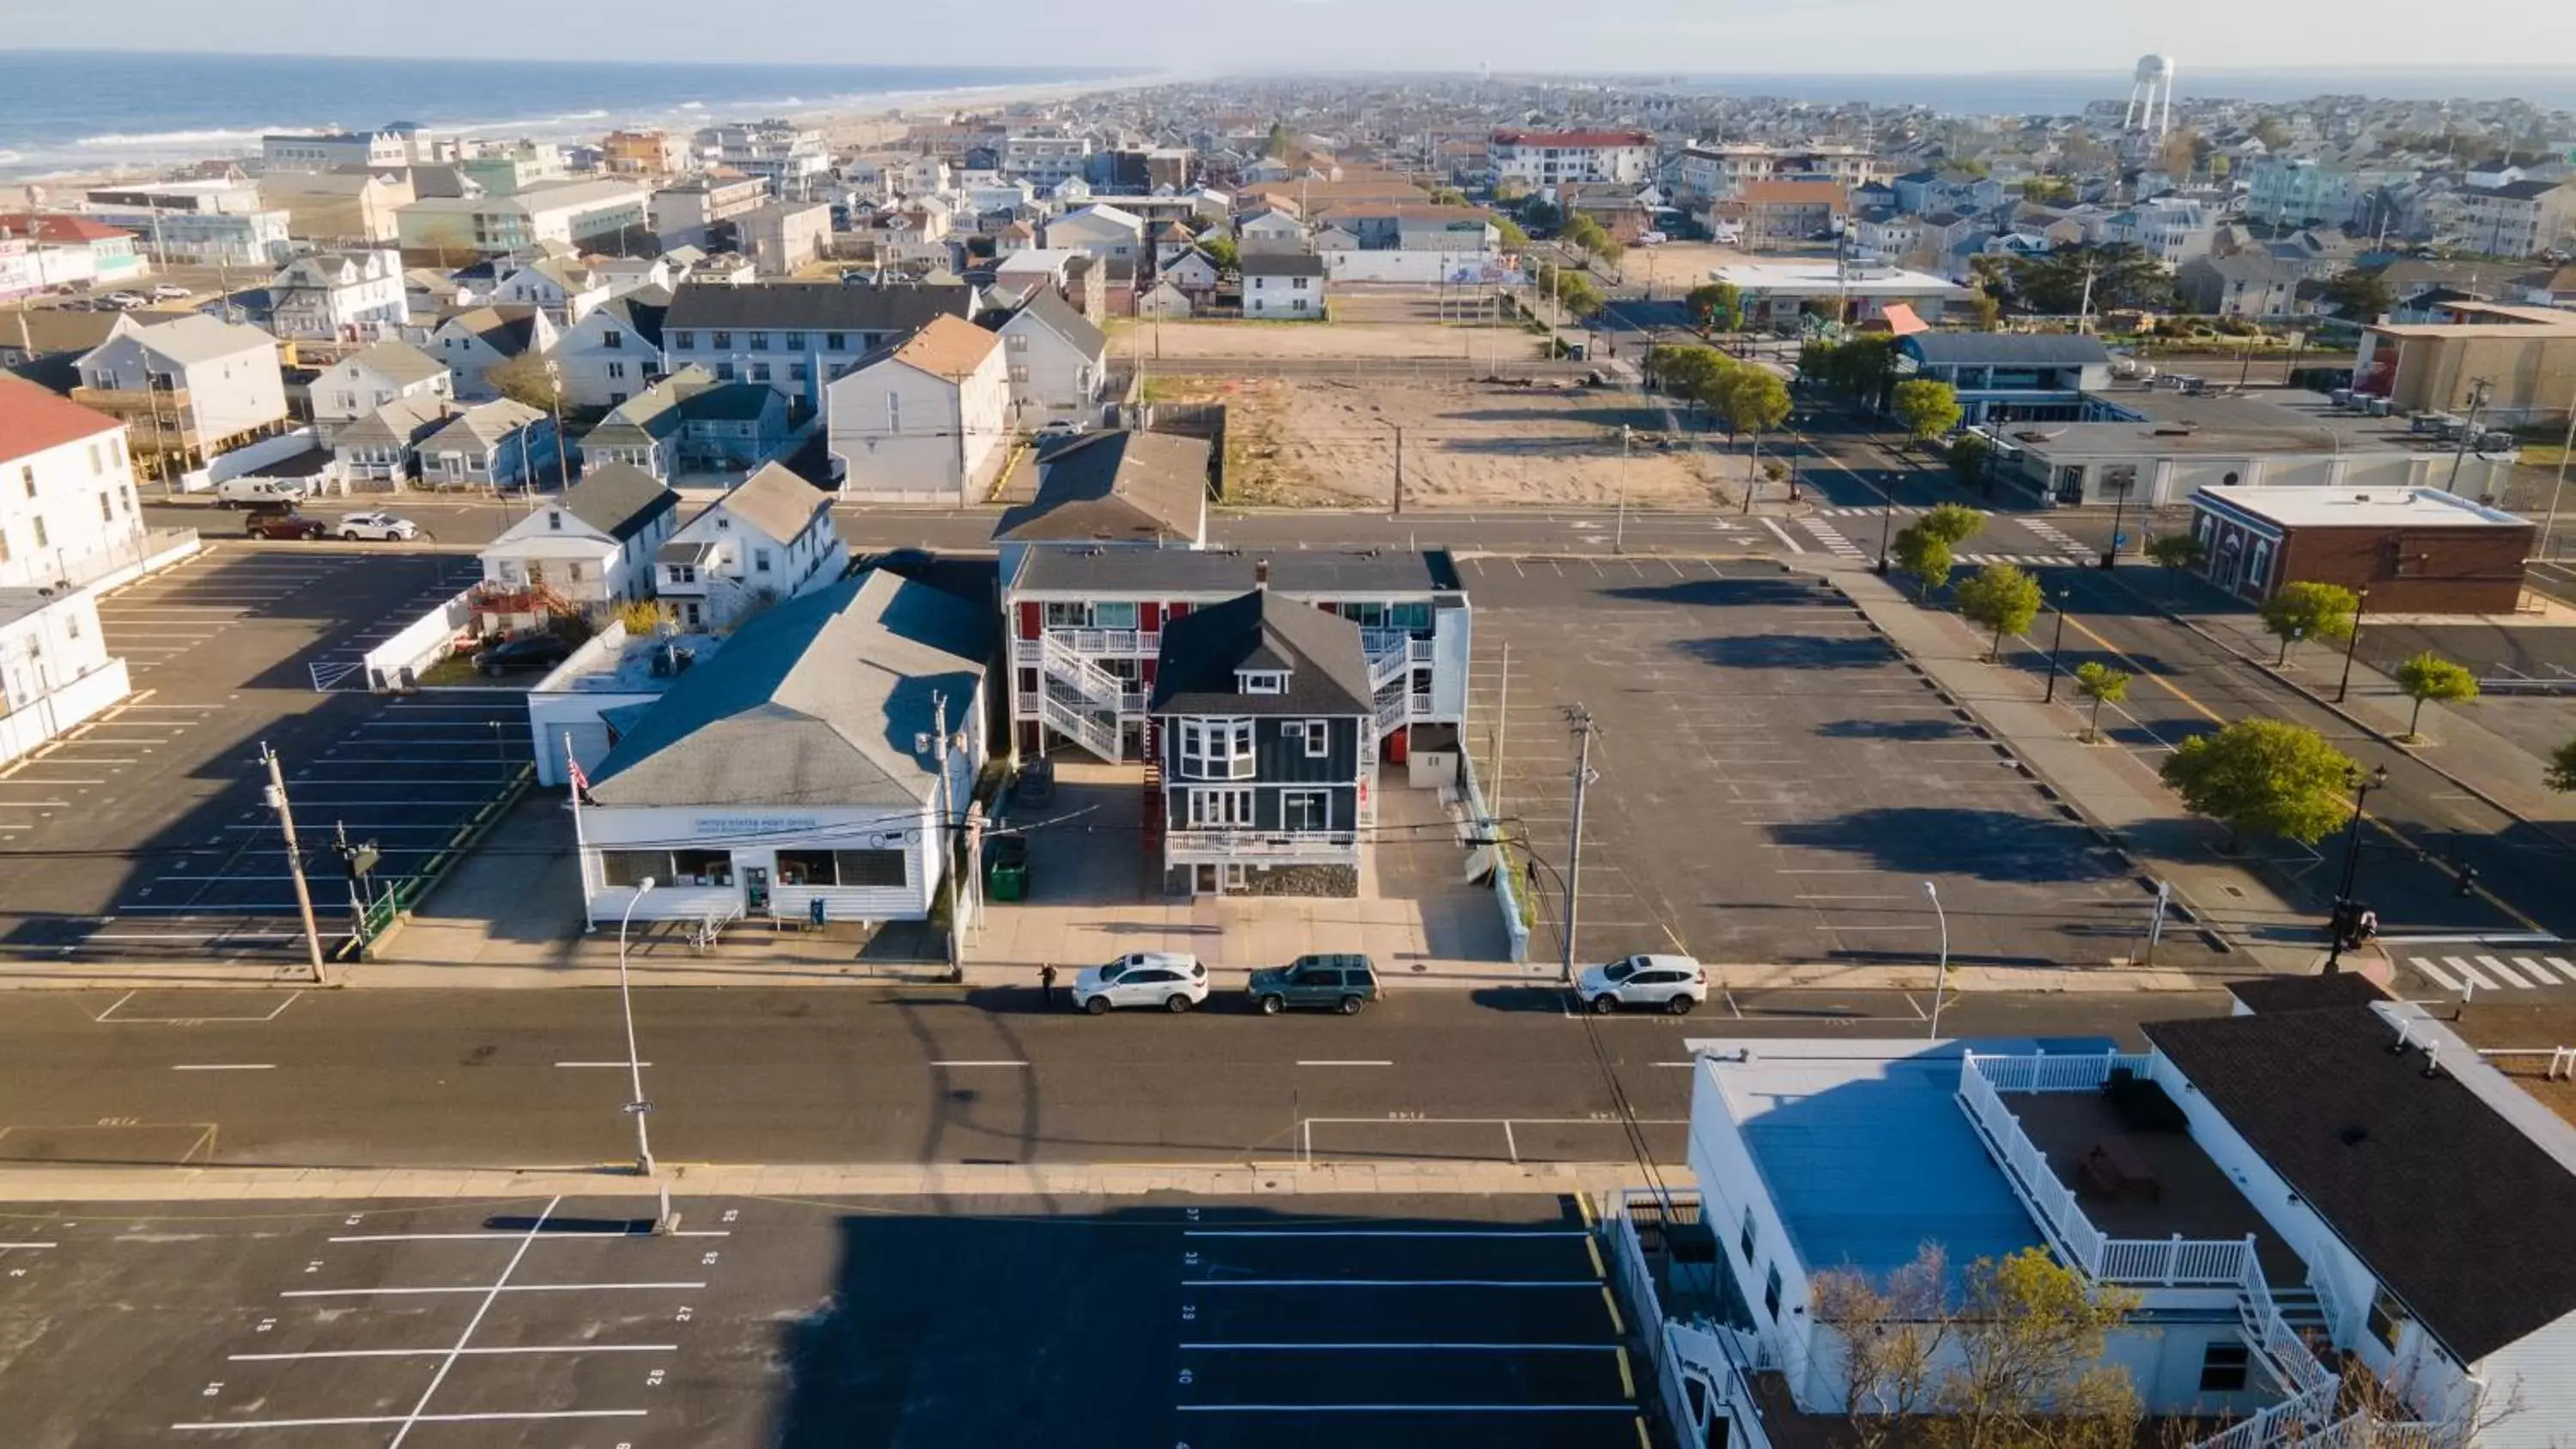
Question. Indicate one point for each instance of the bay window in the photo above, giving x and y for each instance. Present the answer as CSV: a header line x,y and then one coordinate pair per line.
x,y
1216,749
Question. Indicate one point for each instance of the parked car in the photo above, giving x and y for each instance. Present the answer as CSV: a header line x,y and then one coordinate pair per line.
x,y
379,525
1675,983
1342,981
123,300
255,492
286,524
1168,979
521,654
169,292
1064,428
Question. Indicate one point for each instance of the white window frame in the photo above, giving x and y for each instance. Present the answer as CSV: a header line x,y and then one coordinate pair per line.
x,y
1262,681
1217,749
1318,735
1319,817
1228,807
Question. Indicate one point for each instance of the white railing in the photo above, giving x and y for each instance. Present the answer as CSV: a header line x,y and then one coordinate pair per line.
x,y
1080,725
2175,1262
1387,667
1421,706
1718,1358
2084,1072
1264,844
1072,669
2026,1168
1390,714
2329,1303
1105,641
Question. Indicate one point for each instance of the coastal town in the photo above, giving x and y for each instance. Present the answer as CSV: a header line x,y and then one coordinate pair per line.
x,y
1445,758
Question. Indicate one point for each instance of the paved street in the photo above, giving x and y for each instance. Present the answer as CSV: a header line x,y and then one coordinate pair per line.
x,y
890,1074
1423,1321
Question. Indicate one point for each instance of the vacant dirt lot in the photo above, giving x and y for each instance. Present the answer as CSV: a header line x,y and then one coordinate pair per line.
x,y
1315,442
1371,340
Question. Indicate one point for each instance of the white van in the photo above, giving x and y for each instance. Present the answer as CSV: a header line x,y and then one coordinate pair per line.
x,y
256,492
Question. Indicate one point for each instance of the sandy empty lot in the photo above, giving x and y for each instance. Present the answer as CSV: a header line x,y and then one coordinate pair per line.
x,y
1148,340
1315,442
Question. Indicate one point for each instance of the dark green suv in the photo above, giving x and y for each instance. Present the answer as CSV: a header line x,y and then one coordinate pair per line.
x,y
1343,981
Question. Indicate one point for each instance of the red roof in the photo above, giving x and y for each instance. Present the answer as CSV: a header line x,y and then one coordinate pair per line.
x,y
1573,138
57,227
33,419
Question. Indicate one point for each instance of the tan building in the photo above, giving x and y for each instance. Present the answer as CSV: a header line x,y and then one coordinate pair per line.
x,y
340,206
1785,213
2526,356
784,235
643,153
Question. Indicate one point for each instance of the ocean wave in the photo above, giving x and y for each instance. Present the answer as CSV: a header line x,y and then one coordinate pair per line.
x,y
174,138
583,116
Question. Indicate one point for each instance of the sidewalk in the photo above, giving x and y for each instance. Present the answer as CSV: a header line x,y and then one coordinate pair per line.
x,y
2108,786
893,1179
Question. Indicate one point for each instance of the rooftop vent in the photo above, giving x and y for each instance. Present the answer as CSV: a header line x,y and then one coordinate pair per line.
x,y
2352,1134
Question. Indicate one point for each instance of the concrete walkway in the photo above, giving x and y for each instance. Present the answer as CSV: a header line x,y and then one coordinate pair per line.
x,y
893,1179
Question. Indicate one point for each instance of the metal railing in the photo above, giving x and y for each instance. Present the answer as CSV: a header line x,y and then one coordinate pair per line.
x,y
1080,725
1264,844
1087,641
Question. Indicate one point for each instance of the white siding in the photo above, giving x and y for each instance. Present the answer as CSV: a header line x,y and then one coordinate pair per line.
x,y
2538,1374
1729,1183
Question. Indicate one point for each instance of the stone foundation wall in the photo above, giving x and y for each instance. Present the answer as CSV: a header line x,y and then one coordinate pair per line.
x,y
1342,881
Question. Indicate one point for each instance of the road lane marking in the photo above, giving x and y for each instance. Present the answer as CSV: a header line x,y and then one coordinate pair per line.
x,y
220,1425
567,1235
469,1288
25,1245
2468,971
223,1066
963,1062
1782,534
1337,1062
2424,965
468,1353
2511,976
621,1066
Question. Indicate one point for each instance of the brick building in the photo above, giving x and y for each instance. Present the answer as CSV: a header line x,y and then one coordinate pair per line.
x,y
2417,550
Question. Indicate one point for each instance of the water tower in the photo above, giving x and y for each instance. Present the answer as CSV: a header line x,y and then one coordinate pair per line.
x,y
2151,98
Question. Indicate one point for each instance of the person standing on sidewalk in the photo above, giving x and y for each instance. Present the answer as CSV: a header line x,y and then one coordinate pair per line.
x,y
1046,983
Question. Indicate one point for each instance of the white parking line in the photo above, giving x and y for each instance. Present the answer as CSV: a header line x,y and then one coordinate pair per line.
x,y
621,1066
567,1236
1330,1062
469,1288
25,1245
223,1066
466,1353
476,1321
951,1062
219,1425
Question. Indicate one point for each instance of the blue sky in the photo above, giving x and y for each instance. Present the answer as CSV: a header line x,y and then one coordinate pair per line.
x,y
1698,36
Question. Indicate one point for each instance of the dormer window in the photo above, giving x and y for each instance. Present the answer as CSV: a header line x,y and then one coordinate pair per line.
x,y
1261,681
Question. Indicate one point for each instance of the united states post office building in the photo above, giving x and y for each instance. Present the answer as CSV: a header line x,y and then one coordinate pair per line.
x,y
798,766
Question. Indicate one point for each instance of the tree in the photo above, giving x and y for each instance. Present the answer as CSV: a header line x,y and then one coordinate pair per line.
x,y
1988,311
1927,408
2561,775
1923,554
2103,685
2177,551
1953,523
1537,211
1576,294
1687,372
2124,275
2302,609
2429,676
1716,306
1892,1336
1608,249
2049,191
1970,457
1584,232
1509,233
1221,250
1281,141
2362,296
523,379
2271,133
1755,401
2030,1336
2263,777
2002,597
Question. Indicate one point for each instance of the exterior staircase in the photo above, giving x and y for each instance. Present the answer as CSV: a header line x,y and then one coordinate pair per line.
x,y
1079,699
1391,680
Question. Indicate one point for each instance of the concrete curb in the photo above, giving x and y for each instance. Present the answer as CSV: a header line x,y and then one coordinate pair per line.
x,y
702,1180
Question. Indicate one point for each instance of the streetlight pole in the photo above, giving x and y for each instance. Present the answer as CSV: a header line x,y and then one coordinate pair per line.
x,y
636,1106
1886,520
1583,778
2362,785
1941,980
1619,537
2119,504
2352,641
2549,522
2055,643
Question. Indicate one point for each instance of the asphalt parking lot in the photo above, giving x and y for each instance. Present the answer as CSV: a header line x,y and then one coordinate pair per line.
x,y
142,835
1774,782
565,1323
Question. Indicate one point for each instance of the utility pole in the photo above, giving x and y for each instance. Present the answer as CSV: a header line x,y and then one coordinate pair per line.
x,y
1502,730
2548,522
1399,469
947,841
2468,434
276,797
1619,537
1583,777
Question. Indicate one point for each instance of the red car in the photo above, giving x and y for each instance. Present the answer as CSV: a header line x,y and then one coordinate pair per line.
x,y
287,526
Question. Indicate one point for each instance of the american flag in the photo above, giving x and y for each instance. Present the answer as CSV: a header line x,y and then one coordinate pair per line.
x,y
580,781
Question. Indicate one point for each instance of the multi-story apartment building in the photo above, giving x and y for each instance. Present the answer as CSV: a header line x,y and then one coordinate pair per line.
x,y
1548,158
1707,171
66,487
600,215
340,207
1045,157
507,170
330,150
206,223
686,212
796,336
2519,218
186,389
788,156
2308,191
643,153
339,296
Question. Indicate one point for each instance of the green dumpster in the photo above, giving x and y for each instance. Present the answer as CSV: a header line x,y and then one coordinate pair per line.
x,y
1006,868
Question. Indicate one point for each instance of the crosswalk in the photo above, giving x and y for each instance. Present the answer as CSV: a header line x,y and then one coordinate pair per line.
x,y
2026,560
1832,539
2494,973
2054,536
1872,511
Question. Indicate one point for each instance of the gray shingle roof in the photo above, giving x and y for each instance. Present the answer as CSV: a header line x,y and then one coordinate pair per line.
x,y
1048,306
619,500
816,702
1327,670
1118,486
776,502
398,361
487,425
1281,264
816,306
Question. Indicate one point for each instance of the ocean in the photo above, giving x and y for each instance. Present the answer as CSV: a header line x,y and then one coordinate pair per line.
x,y
90,110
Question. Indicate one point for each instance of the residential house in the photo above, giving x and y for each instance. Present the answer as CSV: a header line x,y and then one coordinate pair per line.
x,y
44,344
495,446
765,541
366,380
562,287
510,168
594,215
817,767
1104,232
1015,236
291,153
1045,156
1776,214
2314,191
1284,286
789,156
341,208
632,274
1172,241
214,222
1539,159
614,351
67,510
1709,171
923,420
2520,218
185,389
55,671
1164,299
783,236
476,340
1115,488
1193,274
692,212
382,446
1931,191
1057,361
1891,235
339,296
2271,1261
689,423
2009,376
797,336
42,250
593,545
1271,232
2169,229
1264,721
2248,284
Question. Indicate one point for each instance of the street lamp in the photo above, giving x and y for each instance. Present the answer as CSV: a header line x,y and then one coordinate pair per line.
x,y
1619,538
1886,520
2362,785
636,1106
1941,981
2055,643
2119,503
2352,641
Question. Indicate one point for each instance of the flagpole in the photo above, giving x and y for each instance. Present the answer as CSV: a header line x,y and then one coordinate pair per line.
x,y
580,848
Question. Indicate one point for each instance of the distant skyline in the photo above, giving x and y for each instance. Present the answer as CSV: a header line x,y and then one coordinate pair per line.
x,y
1698,37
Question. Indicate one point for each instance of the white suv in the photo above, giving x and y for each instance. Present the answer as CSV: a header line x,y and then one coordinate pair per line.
x,y
1675,983
1168,979
383,527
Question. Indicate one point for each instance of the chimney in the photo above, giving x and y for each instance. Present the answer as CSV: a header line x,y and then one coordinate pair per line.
x,y
1261,574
